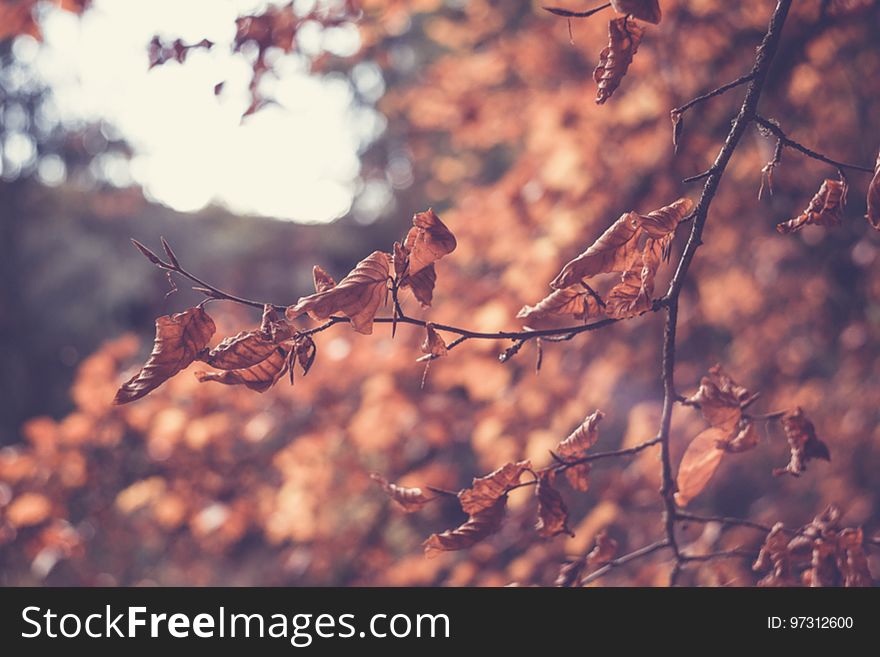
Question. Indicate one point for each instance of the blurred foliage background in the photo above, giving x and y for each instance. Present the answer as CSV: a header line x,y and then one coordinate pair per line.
x,y
491,121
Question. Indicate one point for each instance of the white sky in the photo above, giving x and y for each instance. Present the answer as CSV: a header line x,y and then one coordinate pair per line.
x,y
295,160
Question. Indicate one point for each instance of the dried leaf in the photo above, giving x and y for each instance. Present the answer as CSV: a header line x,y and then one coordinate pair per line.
x,y
744,439
273,326
873,215
575,301
603,552
427,241
662,222
358,296
433,346
632,295
486,491
323,280
408,499
422,284
478,526
240,351
720,399
614,251
646,10
552,511
570,573
698,464
305,350
624,36
775,554
825,208
853,563
804,444
581,439
260,377
179,340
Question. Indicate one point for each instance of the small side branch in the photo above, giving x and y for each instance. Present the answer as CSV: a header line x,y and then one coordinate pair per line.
x,y
625,559
773,128
566,13
715,92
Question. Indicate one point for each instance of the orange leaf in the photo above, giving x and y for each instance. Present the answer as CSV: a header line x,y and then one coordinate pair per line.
x,y
632,295
179,340
721,399
357,296
575,446
825,208
552,512
624,36
408,499
486,491
698,464
422,284
478,526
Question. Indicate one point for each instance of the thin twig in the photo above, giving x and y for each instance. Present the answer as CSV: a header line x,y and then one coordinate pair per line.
x,y
566,13
777,132
625,559
715,92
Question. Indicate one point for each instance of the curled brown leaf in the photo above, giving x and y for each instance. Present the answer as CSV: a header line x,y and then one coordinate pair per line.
x,y
408,499
624,36
604,550
575,446
552,511
260,377
485,491
825,208
323,280
433,346
427,241
804,444
239,351
180,338
357,296
576,301
478,526
613,251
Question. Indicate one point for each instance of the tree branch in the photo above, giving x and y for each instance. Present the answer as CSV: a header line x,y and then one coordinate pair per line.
x,y
773,128
758,76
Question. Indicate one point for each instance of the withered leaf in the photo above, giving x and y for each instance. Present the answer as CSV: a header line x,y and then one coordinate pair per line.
x,y
646,10
179,340
304,352
624,36
408,499
570,573
433,346
873,215
699,463
825,208
477,527
721,399
260,376
775,554
581,439
273,326
427,241
632,295
552,511
357,296
744,439
486,491
613,251
804,443
422,284
575,301
603,552
240,351
853,563
662,222
323,280
575,446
